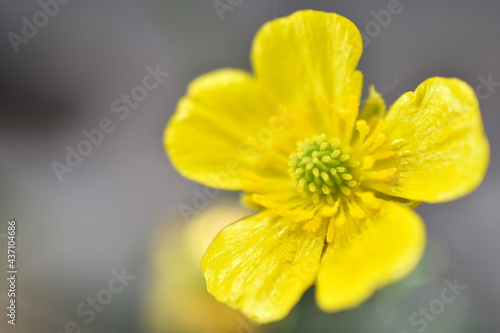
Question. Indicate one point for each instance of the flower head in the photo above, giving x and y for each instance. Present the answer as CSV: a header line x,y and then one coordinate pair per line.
x,y
334,185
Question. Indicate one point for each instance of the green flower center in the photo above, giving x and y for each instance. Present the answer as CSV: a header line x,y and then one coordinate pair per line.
x,y
320,167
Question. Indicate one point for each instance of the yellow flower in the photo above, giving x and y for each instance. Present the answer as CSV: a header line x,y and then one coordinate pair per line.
x,y
334,186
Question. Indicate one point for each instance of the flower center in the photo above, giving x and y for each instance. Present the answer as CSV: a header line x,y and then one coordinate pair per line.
x,y
320,167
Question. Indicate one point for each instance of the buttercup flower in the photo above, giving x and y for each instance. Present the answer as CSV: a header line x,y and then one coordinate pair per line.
x,y
334,186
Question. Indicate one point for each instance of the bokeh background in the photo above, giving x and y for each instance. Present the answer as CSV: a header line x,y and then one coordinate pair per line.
x,y
106,214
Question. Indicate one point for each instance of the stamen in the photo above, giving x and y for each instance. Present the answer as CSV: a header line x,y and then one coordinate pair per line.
x,y
349,114
345,190
341,219
344,158
346,176
368,162
363,130
386,175
369,199
379,140
355,211
372,137
345,114
329,211
315,224
384,155
351,183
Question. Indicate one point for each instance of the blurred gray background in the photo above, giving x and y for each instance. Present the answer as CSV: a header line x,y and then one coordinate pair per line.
x,y
103,215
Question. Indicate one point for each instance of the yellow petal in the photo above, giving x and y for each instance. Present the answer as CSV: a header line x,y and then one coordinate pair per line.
x,y
204,227
441,150
206,138
368,254
307,61
178,300
262,265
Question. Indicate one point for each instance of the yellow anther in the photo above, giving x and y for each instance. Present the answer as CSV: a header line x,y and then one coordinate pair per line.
x,y
370,199
344,158
326,178
368,162
373,135
386,175
352,183
340,220
346,176
384,155
379,140
345,190
345,114
336,153
314,224
355,210
363,129
329,211
316,172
